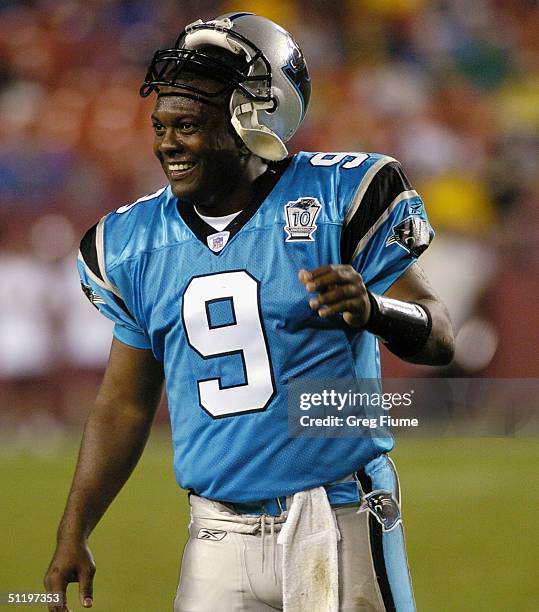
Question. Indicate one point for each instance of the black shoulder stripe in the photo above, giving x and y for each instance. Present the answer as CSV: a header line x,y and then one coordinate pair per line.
x,y
386,185
88,251
123,306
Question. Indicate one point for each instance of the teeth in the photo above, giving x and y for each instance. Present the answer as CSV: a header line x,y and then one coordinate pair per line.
x,y
184,166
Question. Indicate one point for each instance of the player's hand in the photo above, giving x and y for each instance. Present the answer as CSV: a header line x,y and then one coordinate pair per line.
x,y
340,290
72,562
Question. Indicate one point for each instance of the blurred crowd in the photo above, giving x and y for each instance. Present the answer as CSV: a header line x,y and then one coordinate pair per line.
x,y
449,87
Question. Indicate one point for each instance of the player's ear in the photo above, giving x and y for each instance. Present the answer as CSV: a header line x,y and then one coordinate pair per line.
x,y
243,151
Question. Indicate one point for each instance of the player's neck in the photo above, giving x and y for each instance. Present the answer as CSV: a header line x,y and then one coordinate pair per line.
x,y
240,196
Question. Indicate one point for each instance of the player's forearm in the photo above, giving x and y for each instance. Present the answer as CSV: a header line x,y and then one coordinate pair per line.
x,y
440,345
113,441
434,347
417,330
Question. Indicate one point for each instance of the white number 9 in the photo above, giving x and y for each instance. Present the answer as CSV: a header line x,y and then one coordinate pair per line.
x,y
331,159
244,335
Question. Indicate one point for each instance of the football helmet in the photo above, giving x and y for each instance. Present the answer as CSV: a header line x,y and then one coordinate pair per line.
x,y
263,68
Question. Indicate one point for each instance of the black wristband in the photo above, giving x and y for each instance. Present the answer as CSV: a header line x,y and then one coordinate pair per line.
x,y
404,327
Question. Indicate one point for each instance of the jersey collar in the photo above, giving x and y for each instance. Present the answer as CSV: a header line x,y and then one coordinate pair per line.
x,y
263,186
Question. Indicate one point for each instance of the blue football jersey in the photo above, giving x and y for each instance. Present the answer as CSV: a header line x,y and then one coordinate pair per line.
x,y
228,317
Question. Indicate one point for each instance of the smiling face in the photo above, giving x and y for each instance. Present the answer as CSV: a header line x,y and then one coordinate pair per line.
x,y
197,147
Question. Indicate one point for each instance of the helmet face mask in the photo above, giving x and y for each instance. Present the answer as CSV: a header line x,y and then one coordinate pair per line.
x,y
255,60
173,68
168,66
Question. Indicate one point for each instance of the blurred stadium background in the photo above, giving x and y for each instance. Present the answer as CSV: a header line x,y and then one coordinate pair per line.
x,y
451,88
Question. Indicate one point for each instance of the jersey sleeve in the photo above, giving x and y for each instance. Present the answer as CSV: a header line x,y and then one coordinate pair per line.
x,y
102,293
386,228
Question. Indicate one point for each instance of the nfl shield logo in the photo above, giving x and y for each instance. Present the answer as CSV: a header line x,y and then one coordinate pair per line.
x,y
217,242
301,216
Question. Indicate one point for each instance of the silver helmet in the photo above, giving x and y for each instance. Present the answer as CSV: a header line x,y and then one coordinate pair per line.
x,y
262,67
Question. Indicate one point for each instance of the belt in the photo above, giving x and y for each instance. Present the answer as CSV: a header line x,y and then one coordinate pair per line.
x,y
339,493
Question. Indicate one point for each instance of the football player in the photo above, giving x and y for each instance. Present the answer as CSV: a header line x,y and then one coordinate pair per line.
x,y
249,269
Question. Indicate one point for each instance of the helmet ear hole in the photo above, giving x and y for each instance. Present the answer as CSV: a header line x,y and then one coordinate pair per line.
x,y
258,138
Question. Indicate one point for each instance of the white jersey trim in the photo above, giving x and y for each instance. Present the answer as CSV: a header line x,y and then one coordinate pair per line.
x,y
145,198
100,247
96,279
100,250
364,185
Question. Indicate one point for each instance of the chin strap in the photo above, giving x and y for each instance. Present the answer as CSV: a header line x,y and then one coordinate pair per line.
x,y
258,138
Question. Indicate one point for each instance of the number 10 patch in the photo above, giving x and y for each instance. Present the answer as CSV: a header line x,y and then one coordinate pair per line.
x,y
301,216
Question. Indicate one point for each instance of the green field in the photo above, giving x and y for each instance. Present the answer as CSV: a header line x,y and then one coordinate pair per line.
x,y
470,508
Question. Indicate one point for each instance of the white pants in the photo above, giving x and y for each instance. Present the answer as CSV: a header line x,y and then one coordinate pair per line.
x,y
232,562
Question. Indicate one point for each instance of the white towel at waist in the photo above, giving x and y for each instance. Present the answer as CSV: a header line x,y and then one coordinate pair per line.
x,y
310,561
